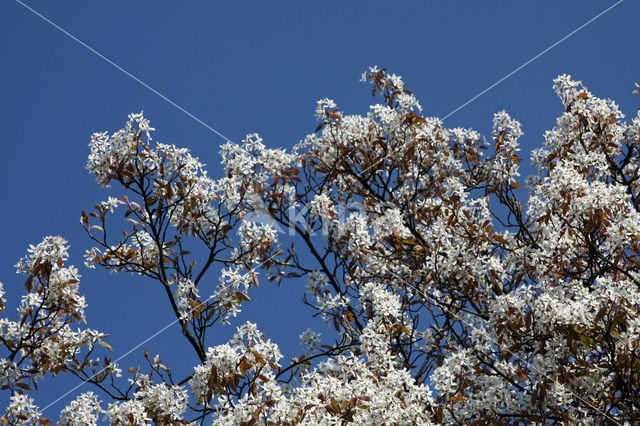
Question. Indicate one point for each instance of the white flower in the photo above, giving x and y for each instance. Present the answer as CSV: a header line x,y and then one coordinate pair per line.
x,y
185,294
388,223
310,338
2,299
84,410
127,412
324,105
110,204
321,206
22,410
52,249
9,371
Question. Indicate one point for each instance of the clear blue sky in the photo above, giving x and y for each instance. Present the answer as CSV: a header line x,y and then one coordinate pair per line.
x,y
258,66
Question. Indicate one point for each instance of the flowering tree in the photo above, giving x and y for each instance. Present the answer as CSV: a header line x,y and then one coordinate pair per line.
x,y
454,299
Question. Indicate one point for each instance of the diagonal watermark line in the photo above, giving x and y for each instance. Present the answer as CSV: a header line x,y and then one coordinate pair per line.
x,y
501,80
532,59
148,339
119,68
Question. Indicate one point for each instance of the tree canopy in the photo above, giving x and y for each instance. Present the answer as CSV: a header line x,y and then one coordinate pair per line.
x,y
458,292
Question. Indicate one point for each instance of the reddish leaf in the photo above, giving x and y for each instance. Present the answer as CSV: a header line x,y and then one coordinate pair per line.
x,y
105,345
23,386
28,284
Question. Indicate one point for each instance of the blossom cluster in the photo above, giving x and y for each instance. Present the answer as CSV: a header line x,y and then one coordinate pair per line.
x,y
452,300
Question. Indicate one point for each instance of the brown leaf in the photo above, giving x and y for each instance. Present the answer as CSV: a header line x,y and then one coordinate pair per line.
x,y
439,415
258,357
28,284
600,314
105,345
23,386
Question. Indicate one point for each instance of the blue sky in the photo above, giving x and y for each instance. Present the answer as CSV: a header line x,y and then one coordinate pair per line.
x,y
258,66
